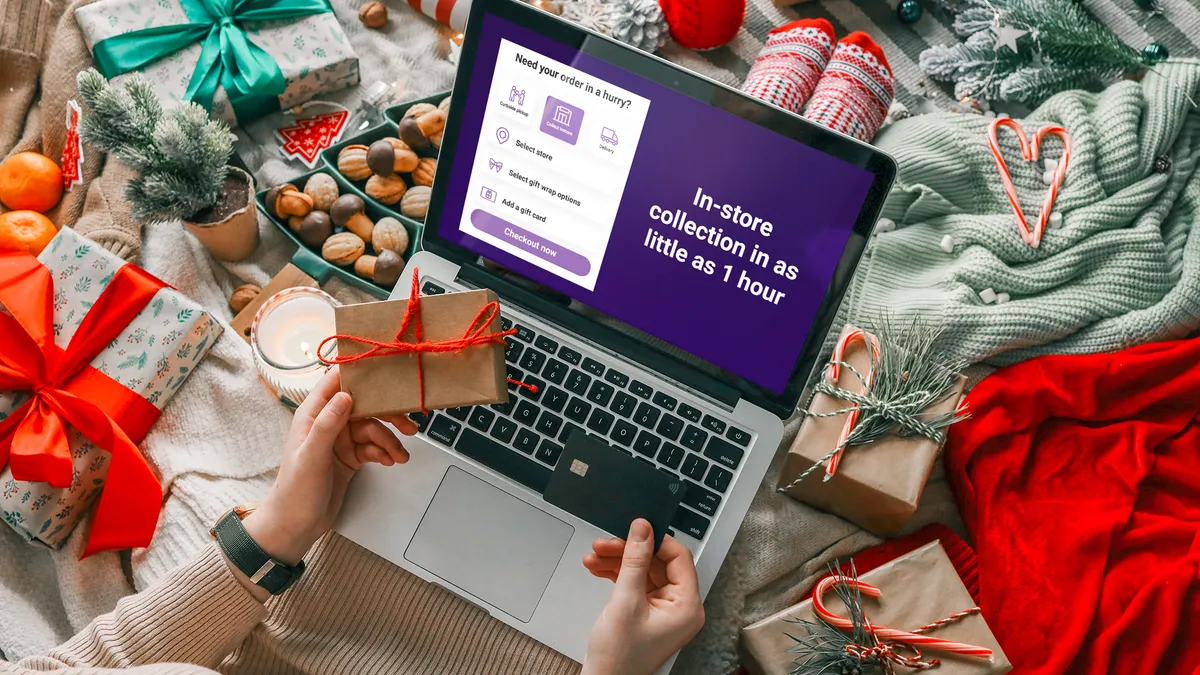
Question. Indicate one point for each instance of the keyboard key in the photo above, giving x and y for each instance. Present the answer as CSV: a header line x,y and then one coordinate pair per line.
x,y
555,399
640,389
512,349
546,344
555,371
538,387
670,426
728,454
524,334
600,421
693,438
569,429
624,404
600,393
738,436
578,410
514,373
689,413
460,413
646,415
526,413
671,455
665,401
533,361
593,366
702,500
617,378
718,478
444,429
499,458
694,467
569,355
430,288
549,451
549,423
506,407
504,429
623,433
714,425
647,443
578,381
505,323
481,418
421,419
691,523
526,441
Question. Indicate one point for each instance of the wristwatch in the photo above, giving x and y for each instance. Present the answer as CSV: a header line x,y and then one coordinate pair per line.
x,y
249,557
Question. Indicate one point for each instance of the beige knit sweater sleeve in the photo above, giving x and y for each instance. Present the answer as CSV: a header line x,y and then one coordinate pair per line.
x,y
184,625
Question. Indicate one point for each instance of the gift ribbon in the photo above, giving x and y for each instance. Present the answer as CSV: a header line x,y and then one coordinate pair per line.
x,y
229,58
65,390
473,336
887,641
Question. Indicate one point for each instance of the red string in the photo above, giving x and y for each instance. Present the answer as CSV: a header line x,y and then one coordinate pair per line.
x,y
473,336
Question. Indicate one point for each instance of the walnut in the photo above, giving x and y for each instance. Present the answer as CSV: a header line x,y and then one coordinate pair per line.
x,y
343,248
243,296
373,15
425,171
323,189
389,235
415,202
386,189
352,162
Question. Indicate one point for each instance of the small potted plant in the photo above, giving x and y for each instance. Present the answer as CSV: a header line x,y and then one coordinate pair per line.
x,y
181,159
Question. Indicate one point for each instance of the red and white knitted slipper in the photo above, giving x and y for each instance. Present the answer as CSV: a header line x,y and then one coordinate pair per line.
x,y
790,63
856,89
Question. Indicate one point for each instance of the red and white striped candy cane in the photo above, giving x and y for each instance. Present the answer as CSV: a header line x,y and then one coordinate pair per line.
x,y
452,13
886,634
1060,172
1030,153
834,371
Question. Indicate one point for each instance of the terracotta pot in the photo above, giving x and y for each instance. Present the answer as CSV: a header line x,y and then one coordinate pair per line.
x,y
236,237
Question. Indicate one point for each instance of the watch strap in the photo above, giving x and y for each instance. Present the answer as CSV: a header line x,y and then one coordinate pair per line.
x,y
249,557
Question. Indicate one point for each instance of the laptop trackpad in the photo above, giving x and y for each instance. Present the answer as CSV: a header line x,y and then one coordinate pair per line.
x,y
489,543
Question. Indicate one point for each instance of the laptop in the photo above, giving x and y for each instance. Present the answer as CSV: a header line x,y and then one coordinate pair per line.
x,y
671,254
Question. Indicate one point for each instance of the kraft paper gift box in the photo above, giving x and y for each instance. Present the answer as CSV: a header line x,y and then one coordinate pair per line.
x,y
918,588
291,56
152,356
389,385
877,485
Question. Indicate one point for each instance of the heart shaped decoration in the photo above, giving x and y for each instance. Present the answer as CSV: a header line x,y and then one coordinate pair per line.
x,y
1029,152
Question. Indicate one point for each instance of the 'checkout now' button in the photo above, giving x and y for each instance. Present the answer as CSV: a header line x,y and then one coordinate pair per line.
x,y
524,239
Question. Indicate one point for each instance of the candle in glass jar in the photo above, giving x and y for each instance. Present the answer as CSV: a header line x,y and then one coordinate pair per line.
x,y
287,331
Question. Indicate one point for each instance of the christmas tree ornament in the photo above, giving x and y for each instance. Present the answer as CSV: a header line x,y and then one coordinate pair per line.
x,y
1007,36
1154,53
1146,4
704,24
72,157
909,11
308,137
856,89
1029,152
1162,164
787,70
593,15
638,23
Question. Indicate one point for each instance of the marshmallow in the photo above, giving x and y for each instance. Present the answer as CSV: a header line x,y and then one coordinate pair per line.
x,y
1002,298
1055,219
884,225
988,295
948,244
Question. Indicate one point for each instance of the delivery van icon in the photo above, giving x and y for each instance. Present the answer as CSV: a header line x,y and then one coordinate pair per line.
x,y
608,135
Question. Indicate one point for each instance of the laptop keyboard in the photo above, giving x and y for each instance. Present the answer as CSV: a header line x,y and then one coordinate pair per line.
x,y
523,438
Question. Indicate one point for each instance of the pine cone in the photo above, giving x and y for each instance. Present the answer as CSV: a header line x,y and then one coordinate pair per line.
x,y
590,14
639,23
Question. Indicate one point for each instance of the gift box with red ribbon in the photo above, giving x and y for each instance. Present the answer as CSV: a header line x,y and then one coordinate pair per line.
x,y
91,350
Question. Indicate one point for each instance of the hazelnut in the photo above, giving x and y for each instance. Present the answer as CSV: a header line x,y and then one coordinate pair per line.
x,y
373,15
273,197
352,162
293,203
410,132
323,189
418,109
391,155
347,212
365,266
389,235
243,296
388,268
386,189
314,228
425,171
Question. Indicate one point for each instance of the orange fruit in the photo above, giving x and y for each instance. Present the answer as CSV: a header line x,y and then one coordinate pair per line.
x,y
27,231
30,181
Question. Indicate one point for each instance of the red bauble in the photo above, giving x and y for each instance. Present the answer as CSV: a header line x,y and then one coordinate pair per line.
x,y
703,24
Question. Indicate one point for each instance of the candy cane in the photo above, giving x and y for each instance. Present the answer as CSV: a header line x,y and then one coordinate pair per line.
x,y
834,370
1030,153
886,634
1060,172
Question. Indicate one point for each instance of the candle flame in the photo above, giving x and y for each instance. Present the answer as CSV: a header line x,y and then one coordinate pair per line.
x,y
307,349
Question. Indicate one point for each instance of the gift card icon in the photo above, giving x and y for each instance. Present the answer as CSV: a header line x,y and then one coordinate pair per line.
x,y
488,194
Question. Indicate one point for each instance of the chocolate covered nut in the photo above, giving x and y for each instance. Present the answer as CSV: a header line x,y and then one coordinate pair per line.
x,y
418,109
352,162
314,229
386,189
391,155
347,212
272,198
365,266
388,268
432,122
410,132
293,203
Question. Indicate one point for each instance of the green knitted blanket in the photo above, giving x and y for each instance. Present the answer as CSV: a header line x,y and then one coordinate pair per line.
x,y
1122,269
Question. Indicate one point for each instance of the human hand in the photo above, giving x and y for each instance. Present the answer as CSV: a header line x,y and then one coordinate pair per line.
x,y
655,607
323,451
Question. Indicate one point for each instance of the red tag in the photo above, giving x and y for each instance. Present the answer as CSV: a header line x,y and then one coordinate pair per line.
x,y
309,136
72,156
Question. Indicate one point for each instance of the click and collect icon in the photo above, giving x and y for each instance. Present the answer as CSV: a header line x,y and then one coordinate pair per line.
x,y
502,135
488,194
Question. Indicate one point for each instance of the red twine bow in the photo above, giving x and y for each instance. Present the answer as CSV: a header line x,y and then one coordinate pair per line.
x,y
473,336
66,390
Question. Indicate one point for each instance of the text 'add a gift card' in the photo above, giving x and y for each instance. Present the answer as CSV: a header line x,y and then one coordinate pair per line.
x,y
610,490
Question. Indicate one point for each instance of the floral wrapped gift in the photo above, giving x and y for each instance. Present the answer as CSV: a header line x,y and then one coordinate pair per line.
x,y
91,349
240,59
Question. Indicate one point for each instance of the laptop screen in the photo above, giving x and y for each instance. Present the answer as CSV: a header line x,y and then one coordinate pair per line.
x,y
683,220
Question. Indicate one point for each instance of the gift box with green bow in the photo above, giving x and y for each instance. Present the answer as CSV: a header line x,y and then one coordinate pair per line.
x,y
240,59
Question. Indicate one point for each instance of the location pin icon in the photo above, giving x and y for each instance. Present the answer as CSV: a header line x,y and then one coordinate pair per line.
x,y
502,134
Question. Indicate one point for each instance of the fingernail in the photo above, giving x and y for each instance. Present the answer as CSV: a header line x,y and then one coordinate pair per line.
x,y
340,403
639,531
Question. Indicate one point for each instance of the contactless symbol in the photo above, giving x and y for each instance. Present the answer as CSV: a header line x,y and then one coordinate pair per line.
x,y
675,487
579,468
488,194
502,135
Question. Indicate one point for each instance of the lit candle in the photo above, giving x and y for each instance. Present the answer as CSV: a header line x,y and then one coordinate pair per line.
x,y
285,335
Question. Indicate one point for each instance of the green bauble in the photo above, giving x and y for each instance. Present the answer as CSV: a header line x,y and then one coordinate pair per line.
x,y
1154,53
1145,4
909,11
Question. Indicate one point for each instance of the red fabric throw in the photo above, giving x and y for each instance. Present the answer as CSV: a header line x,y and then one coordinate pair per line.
x,y
1079,480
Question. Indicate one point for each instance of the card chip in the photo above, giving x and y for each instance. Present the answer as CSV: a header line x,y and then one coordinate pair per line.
x,y
579,468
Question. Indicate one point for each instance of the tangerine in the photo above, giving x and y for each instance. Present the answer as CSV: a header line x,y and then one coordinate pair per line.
x,y
30,181
27,231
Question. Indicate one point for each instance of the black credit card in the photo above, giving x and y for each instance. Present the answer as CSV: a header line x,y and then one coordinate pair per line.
x,y
610,489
